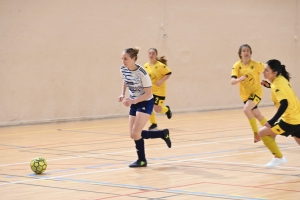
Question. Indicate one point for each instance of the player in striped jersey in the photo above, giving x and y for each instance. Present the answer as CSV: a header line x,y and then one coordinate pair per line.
x,y
141,102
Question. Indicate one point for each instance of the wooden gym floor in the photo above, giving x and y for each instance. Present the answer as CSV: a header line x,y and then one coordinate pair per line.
x,y
213,157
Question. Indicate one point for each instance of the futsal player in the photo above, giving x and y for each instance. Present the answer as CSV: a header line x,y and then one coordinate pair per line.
x,y
141,103
286,121
159,73
247,72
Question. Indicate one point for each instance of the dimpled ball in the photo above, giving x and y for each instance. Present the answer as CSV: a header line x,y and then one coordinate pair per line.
x,y
38,165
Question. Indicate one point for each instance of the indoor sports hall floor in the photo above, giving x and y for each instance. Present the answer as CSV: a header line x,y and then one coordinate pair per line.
x,y
213,157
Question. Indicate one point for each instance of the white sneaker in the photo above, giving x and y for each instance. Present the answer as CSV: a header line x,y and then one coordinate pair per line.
x,y
276,162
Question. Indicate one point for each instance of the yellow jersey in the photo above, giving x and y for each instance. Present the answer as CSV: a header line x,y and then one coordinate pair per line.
x,y
251,84
281,89
156,73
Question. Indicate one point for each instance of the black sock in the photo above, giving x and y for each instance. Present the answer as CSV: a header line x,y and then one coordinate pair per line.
x,y
153,134
140,149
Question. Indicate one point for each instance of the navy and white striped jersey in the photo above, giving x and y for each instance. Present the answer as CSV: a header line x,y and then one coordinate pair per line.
x,y
136,81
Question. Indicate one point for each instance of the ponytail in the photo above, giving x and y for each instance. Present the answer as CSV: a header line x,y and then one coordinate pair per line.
x,y
275,66
285,73
162,59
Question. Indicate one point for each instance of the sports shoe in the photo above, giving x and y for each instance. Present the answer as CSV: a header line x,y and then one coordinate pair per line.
x,y
152,127
169,113
166,137
138,163
276,162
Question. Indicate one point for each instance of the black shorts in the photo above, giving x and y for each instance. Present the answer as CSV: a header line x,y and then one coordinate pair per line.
x,y
285,129
159,100
256,99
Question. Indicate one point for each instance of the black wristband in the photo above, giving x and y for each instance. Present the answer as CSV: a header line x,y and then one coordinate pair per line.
x,y
267,83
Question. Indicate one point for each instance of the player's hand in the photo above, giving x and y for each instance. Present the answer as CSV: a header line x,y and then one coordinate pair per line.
x,y
159,83
267,125
265,83
127,102
120,98
242,78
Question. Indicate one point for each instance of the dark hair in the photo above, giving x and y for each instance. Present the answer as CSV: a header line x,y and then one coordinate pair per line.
x,y
241,47
275,66
132,52
161,59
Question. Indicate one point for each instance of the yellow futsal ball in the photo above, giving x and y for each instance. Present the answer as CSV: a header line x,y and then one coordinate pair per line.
x,y
38,165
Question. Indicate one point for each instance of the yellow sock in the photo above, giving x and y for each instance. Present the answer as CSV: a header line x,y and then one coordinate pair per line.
x,y
152,118
263,121
272,146
253,126
164,109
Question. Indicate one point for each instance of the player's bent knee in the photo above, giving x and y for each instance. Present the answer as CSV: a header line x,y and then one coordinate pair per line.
x,y
247,111
136,137
257,115
262,131
136,134
157,109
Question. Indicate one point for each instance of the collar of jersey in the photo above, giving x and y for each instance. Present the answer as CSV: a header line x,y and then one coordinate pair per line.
x,y
245,65
136,69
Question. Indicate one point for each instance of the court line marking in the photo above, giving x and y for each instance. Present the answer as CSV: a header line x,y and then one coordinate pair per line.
x,y
246,164
216,195
126,168
41,146
52,146
147,189
168,189
121,152
114,125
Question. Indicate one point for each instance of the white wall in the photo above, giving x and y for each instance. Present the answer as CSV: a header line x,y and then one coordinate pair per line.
x,y
60,59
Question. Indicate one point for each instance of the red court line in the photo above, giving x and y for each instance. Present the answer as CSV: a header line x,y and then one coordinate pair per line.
x,y
144,191
233,166
251,186
281,183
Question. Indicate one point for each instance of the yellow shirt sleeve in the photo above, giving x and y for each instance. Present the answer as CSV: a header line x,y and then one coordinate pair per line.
x,y
279,94
235,71
261,67
165,70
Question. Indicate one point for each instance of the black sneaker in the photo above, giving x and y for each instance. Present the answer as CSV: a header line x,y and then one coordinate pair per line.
x,y
152,127
169,113
166,137
139,163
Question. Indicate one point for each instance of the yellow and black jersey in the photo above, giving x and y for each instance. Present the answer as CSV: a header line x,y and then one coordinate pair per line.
x,y
281,89
156,73
251,85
